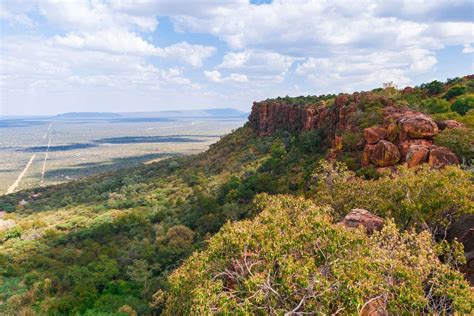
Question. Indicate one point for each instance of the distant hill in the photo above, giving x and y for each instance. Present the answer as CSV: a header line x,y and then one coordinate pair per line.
x,y
87,115
220,112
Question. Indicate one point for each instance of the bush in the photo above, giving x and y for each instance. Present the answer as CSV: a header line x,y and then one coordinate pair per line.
x,y
455,91
463,104
416,198
460,141
434,87
292,258
435,105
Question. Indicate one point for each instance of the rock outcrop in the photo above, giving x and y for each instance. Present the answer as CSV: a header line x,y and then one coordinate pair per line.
x,y
375,134
384,154
449,124
402,136
417,125
442,156
416,155
358,216
268,117
412,134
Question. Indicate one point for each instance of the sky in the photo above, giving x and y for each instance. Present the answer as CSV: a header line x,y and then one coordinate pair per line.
x,y
124,55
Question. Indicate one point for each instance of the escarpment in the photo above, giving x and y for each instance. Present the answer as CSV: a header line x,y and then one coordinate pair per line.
x,y
389,134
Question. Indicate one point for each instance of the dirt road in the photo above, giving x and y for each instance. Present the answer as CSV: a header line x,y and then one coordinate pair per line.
x,y
15,184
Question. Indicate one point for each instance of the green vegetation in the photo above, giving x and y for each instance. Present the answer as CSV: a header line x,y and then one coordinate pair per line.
x,y
291,257
460,141
114,243
463,104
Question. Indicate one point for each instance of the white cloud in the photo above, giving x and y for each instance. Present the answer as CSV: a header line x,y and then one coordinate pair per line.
x,y
361,71
111,40
94,16
191,54
213,76
259,66
216,77
117,41
31,63
341,32
468,49
238,78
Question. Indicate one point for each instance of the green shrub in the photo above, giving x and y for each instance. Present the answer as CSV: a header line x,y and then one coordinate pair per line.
x,y
14,232
413,197
463,104
459,140
455,91
434,87
292,258
435,105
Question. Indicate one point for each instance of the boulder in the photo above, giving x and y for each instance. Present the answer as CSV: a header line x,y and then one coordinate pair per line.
x,y
463,231
416,155
442,156
405,145
392,132
418,125
385,154
375,134
449,124
366,155
363,217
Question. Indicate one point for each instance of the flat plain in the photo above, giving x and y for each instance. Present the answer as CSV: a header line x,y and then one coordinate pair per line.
x,y
38,152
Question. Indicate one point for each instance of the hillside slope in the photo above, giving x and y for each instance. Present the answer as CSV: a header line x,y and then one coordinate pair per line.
x,y
106,245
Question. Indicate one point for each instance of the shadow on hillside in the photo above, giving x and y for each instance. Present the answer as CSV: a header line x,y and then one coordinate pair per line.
x,y
85,169
20,123
36,149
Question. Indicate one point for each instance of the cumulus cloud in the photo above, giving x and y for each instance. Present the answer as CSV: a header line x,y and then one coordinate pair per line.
x,y
366,71
270,49
340,32
259,66
117,41
216,77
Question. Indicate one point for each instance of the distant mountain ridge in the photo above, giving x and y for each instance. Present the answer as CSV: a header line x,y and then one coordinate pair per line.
x,y
218,112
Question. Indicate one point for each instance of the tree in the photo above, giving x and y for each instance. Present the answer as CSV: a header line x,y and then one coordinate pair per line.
x,y
434,87
463,104
455,91
140,273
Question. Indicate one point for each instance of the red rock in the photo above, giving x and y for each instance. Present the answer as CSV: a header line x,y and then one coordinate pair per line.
x,y
366,155
405,145
463,231
418,125
375,307
392,132
385,154
375,134
449,124
441,156
416,155
363,217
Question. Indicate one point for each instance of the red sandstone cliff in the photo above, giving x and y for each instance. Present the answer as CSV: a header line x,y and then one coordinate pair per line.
x,y
402,136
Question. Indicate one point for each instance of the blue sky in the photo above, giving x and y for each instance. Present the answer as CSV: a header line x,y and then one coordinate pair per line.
x,y
124,55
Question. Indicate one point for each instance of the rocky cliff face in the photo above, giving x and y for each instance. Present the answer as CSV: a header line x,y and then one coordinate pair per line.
x,y
403,135
268,117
